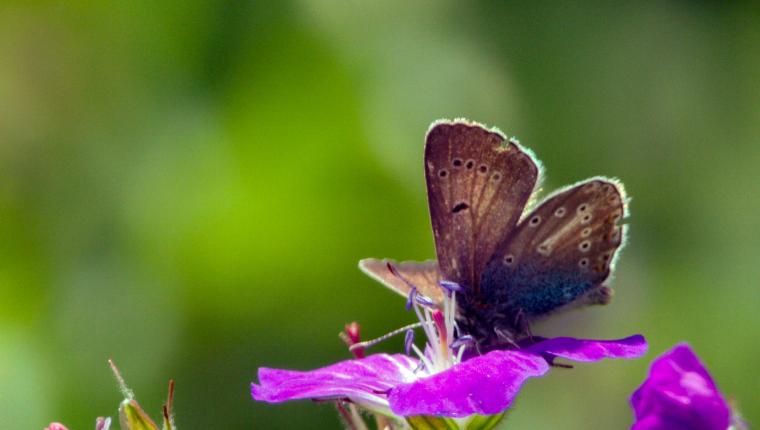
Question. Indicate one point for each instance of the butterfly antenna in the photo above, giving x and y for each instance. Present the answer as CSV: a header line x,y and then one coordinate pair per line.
x,y
394,272
369,343
414,296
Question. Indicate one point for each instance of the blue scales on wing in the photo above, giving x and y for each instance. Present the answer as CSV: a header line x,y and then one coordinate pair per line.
x,y
560,255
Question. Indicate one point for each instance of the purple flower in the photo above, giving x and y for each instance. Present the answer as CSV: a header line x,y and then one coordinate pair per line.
x,y
679,394
395,384
441,381
488,384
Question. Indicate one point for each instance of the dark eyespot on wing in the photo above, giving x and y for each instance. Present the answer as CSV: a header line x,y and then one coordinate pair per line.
x,y
460,207
488,182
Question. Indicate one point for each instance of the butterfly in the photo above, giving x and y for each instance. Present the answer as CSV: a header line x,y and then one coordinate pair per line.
x,y
516,261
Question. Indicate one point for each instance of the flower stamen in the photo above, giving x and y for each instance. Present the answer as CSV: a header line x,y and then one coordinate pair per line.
x,y
408,341
451,287
438,320
440,325
368,343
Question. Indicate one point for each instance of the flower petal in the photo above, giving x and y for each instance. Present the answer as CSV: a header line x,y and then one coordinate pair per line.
x,y
483,385
591,350
679,394
364,381
103,423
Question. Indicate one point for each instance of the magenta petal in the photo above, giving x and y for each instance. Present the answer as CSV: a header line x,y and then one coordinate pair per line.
x,y
364,381
482,385
679,394
591,350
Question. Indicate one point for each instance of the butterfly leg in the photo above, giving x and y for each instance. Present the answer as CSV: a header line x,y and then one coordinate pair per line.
x,y
522,323
550,359
503,337
560,365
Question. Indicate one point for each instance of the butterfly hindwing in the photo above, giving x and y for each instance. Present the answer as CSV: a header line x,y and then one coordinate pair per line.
x,y
561,253
478,185
424,276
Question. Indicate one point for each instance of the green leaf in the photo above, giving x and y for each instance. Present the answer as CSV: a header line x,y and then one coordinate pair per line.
x,y
422,422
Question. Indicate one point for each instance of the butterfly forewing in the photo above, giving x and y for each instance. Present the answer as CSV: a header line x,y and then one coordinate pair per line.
x,y
561,252
424,276
478,185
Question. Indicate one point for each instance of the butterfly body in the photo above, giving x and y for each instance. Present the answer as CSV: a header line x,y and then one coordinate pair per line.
x,y
515,265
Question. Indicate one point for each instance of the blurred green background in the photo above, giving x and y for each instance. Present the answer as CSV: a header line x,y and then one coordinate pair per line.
x,y
187,187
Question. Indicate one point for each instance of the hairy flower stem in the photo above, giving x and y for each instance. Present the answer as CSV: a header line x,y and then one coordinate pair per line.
x,y
350,416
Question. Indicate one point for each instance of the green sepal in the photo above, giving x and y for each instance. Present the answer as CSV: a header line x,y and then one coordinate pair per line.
x,y
485,422
475,422
423,422
132,417
168,424
167,409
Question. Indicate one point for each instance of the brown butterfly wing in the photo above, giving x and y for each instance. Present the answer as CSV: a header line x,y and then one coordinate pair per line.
x,y
424,276
561,253
478,185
